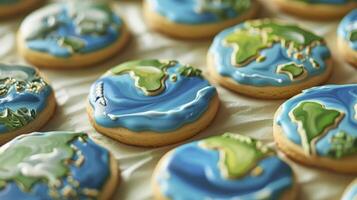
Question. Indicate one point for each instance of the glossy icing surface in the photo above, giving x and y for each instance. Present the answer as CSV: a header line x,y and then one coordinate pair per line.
x,y
347,29
73,28
23,95
52,165
230,166
199,11
322,120
150,95
268,53
351,191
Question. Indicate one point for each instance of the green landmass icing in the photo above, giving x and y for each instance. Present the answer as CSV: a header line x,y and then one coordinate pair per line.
x,y
315,120
342,144
189,71
238,154
149,75
210,6
352,36
2,184
261,34
292,69
74,44
33,150
16,119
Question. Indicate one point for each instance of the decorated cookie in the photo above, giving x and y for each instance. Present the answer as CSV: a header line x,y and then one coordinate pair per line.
x,y
152,102
319,127
317,9
71,35
229,166
56,165
347,37
14,8
351,191
27,101
268,59
195,19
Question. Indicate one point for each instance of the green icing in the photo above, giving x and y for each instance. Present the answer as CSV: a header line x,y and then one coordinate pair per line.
x,y
211,7
2,184
352,36
13,120
74,44
257,35
189,71
149,75
342,144
314,121
238,154
35,158
292,69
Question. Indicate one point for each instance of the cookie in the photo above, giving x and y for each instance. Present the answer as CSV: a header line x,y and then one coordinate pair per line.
x,y
196,19
317,9
268,59
152,102
347,37
14,8
229,166
350,192
56,165
318,127
27,101
71,35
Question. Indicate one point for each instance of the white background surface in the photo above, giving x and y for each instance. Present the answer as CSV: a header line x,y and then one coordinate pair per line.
x,y
237,113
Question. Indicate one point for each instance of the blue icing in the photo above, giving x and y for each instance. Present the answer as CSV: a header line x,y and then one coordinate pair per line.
x,y
67,28
351,192
192,172
92,174
347,26
182,102
338,97
264,73
193,11
13,99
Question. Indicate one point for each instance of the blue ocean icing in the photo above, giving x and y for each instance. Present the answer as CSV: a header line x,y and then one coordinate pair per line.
x,y
192,172
13,99
347,26
351,192
194,12
66,27
93,174
264,73
183,101
339,97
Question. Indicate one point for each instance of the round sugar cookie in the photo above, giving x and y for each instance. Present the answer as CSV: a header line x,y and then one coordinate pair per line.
x,y
56,165
347,37
268,59
152,102
27,101
319,127
15,8
196,19
317,9
71,35
350,192
229,166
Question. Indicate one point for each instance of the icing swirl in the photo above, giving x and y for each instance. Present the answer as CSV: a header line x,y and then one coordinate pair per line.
x,y
150,95
229,167
323,120
347,29
268,53
65,29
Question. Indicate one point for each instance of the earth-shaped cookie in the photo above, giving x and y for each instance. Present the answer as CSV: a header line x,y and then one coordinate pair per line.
x,y
269,59
347,37
196,19
319,127
152,102
229,166
27,101
71,35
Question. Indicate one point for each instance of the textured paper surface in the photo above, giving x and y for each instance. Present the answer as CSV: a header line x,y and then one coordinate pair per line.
x,y
238,114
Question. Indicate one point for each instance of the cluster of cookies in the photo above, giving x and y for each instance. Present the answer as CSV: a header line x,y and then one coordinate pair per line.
x,y
153,102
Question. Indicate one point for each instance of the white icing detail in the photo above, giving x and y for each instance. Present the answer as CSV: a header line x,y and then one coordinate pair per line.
x,y
18,75
356,112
